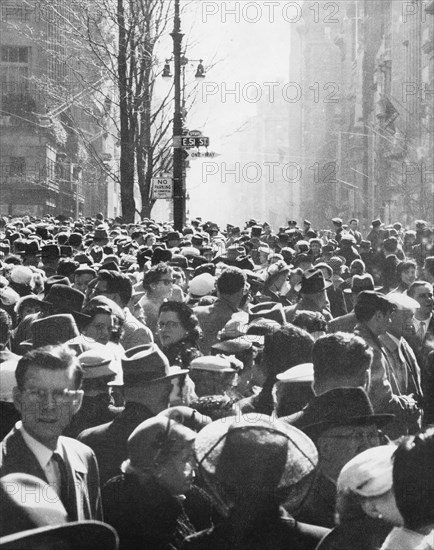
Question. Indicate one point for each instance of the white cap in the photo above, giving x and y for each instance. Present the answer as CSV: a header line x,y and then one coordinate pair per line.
x,y
202,284
21,275
370,473
213,363
402,301
8,296
299,373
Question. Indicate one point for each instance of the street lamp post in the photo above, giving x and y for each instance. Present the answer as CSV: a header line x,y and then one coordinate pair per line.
x,y
178,176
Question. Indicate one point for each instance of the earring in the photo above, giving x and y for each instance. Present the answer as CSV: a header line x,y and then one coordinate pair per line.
x,y
379,516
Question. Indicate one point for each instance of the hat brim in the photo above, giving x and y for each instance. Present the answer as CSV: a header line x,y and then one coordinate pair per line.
x,y
380,420
86,535
171,375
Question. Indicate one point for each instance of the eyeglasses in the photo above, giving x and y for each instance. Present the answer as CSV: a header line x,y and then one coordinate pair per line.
x,y
168,324
37,395
166,282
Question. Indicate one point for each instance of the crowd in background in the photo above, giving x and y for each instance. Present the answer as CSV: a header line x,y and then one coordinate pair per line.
x,y
216,388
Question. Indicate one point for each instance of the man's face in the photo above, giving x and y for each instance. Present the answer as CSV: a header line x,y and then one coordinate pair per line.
x,y
101,288
353,225
81,281
409,276
46,408
383,322
315,247
339,444
424,295
401,323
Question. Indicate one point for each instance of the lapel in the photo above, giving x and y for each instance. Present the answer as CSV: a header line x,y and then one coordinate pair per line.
x,y
17,457
77,480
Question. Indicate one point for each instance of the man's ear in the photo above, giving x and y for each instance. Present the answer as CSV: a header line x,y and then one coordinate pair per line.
x,y
16,395
78,402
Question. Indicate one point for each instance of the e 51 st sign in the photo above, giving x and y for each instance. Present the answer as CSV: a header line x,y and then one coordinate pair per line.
x,y
162,188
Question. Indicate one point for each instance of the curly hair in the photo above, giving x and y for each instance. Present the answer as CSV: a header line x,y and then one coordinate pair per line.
x,y
187,318
155,273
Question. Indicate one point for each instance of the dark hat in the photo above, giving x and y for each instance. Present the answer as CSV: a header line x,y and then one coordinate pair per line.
x,y
365,244
84,268
64,298
232,347
267,310
148,366
53,330
75,239
101,233
56,280
373,299
343,406
312,281
293,223
328,248
197,239
50,251
32,248
65,251
256,231
32,516
360,283
173,236
376,223
179,260
83,258
161,254
257,452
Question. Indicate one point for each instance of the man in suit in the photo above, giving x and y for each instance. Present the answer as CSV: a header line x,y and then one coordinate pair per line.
x,y
47,395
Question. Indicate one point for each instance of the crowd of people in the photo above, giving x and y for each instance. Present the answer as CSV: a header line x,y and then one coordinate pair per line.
x,y
216,388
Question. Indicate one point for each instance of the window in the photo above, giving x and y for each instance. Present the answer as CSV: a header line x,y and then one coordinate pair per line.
x,y
15,54
18,166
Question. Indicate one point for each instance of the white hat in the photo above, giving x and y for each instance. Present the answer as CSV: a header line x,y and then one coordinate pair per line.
x,y
96,363
21,275
402,301
299,373
212,363
370,473
202,284
8,296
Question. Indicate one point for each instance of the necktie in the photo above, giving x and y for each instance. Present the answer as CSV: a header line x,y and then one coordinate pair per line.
x,y
64,492
421,331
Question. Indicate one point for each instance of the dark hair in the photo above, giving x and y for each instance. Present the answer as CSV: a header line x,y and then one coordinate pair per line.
x,y
231,280
310,321
429,265
390,244
341,356
101,305
359,266
5,326
155,273
117,283
366,310
284,347
402,267
411,291
354,220
49,358
187,318
413,479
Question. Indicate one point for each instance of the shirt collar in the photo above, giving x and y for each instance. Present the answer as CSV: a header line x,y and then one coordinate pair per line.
x,y
427,321
43,454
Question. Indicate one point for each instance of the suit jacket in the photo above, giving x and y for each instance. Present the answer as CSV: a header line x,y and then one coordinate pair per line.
x,y
82,468
109,441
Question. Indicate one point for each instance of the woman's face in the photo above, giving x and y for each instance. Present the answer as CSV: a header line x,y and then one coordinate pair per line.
x,y
178,472
170,329
100,328
384,507
409,276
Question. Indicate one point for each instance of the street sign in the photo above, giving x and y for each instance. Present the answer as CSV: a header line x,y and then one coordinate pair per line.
x,y
208,154
162,188
194,141
195,133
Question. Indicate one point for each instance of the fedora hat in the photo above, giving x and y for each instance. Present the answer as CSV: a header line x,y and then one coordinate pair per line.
x,y
232,347
312,281
64,298
96,364
50,251
32,248
53,330
267,310
32,516
101,233
343,406
360,283
148,366
256,452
